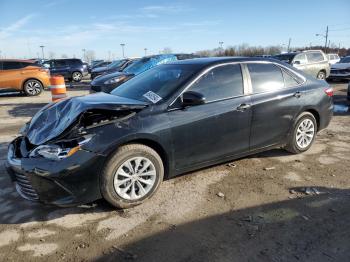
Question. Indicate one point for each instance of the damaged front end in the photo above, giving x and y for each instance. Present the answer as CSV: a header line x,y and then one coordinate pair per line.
x,y
48,161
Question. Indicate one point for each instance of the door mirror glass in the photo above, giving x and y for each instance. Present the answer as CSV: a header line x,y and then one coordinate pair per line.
x,y
191,98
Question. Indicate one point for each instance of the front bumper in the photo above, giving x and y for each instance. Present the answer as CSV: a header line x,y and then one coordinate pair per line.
x,y
339,74
68,182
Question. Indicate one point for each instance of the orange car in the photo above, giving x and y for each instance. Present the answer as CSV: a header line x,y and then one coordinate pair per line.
x,y
24,76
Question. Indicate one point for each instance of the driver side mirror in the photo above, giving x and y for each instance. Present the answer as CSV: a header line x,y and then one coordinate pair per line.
x,y
297,62
191,98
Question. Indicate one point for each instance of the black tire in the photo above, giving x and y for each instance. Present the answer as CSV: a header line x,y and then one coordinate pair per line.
x,y
321,75
292,145
123,154
77,76
32,87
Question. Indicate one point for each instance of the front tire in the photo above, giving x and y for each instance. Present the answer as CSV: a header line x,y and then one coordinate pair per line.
x,y
131,176
304,133
77,76
32,87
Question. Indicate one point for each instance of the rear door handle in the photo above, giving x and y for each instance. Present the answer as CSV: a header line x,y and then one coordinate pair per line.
x,y
243,107
297,94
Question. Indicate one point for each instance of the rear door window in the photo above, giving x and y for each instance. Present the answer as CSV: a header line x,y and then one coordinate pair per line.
x,y
11,65
314,57
265,77
59,63
219,83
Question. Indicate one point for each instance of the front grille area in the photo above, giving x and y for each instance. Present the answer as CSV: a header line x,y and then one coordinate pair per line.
x,y
24,188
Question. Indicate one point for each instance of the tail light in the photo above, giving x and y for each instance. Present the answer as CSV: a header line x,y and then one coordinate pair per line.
x,y
329,91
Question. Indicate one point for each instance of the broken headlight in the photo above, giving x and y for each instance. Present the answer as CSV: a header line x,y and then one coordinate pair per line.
x,y
57,152
114,80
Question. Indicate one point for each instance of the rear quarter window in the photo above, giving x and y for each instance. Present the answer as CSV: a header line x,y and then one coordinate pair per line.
x,y
265,77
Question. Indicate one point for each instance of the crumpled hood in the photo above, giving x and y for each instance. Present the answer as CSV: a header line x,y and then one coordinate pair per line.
x,y
54,118
341,66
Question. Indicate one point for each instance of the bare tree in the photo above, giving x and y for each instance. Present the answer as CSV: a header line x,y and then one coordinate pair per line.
x,y
89,55
166,50
64,56
52,55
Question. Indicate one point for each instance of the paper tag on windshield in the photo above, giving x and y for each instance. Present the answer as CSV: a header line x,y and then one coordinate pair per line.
x,y
153,97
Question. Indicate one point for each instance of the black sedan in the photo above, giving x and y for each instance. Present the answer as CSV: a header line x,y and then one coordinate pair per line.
x,y
171,119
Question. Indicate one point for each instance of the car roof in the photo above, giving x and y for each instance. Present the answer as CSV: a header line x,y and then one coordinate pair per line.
x,y
208,61
17,60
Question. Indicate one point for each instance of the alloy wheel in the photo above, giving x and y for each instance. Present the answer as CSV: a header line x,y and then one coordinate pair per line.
x,y
305,133
321,75
33,87
77,76
135,178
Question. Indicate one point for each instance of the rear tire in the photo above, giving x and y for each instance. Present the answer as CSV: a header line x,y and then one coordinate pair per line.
x,y
32,87
77,76
131,176
303,135
321,75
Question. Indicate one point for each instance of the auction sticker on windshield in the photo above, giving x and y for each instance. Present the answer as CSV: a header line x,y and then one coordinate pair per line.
x,y
153,97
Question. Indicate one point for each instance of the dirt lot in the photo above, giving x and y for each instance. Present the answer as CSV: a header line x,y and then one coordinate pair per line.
x,y
256,209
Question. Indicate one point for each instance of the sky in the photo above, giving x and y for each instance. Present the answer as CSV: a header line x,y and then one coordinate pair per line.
x,y
67,27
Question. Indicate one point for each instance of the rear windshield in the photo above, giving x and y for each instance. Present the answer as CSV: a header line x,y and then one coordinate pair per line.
x,y
287,58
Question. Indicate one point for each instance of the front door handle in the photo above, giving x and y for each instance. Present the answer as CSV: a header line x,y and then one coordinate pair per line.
x,y
297,94
243,107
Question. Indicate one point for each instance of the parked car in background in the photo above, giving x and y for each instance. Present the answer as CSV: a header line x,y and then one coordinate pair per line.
x,y
72,68
333,58
94,62
115,66
162,123
23,76
106,83
341,70
312,62
102,63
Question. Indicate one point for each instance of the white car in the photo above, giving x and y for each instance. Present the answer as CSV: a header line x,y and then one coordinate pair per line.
x,y
341,70
333,58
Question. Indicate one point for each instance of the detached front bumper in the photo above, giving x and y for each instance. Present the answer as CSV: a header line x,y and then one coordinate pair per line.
x,y
68,182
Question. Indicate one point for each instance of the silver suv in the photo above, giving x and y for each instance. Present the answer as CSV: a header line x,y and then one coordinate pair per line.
x,y
312,62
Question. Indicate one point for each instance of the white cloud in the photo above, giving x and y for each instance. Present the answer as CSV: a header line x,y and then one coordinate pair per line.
x,y
14,27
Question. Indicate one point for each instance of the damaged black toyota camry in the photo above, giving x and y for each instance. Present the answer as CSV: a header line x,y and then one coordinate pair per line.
x,y
169,120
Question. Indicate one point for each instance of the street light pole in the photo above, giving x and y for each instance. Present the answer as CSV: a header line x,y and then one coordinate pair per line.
x,y
145,51
289,41
42,51
122,45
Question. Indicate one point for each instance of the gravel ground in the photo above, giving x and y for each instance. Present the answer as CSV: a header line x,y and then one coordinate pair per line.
x,y
272,206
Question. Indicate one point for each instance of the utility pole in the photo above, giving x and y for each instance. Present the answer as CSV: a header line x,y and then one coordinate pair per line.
x,y
42,51
289,41
145,51
122,45
83,53
325,44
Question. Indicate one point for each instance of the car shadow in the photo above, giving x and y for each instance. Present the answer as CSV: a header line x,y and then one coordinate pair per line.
x,y
305,228
24,110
